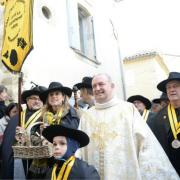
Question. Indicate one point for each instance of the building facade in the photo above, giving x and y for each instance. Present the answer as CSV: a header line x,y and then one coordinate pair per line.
x,y
72,39
143,72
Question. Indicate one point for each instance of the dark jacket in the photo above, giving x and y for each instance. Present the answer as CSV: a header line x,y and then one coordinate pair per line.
x,y
80,171
2,109
7,152
8,142
150,116
70,119
162,130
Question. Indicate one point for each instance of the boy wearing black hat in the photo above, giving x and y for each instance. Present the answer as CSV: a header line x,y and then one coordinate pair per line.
x,y
65,143
166,124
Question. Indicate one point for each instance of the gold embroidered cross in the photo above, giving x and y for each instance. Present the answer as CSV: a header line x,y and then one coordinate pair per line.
x,y
103,134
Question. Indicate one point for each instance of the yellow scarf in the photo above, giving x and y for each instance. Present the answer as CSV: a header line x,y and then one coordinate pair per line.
x,y
33,118
175,125
53,119
145,114
64,171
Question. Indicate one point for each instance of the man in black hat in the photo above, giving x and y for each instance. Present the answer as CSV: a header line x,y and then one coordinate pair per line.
x,y
159,103
86,92
28,116
166,124
143,105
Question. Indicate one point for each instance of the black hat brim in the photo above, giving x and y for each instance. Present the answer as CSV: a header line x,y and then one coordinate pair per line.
x,y
156,101
83,85
145,101
67,91
58,130
162,85
28,93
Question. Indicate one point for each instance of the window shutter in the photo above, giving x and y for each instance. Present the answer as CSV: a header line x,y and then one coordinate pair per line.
x,y
91,49
73,24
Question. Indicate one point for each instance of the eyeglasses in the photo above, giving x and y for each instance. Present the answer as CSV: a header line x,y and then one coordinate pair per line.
x,y
34,98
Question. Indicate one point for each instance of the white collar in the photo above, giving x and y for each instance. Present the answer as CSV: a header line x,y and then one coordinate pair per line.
x,y
108,104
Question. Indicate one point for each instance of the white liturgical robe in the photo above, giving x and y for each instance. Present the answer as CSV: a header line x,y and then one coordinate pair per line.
x,y
122,146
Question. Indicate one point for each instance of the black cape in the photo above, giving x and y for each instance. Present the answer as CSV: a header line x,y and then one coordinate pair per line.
x,y
162,130
7,151
80,171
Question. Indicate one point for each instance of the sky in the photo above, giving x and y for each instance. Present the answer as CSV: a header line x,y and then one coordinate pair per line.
x,y
148,25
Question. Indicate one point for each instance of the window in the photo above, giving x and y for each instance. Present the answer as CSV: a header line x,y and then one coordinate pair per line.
x,y
81,30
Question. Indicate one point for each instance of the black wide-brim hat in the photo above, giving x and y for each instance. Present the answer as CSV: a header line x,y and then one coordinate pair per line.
x,y
86,83
55,86
172,76
144,100
28,93
162,97
59,130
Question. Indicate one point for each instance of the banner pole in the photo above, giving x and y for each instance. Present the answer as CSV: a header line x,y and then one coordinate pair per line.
x,y
20,79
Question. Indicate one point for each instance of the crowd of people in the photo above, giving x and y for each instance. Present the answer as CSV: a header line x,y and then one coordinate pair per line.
x,y
98,136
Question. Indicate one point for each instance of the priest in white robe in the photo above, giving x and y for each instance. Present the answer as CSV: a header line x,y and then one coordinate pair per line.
x,y
121,144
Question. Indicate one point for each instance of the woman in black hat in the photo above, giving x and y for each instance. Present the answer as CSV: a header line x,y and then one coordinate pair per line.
x,y
65,143
57,109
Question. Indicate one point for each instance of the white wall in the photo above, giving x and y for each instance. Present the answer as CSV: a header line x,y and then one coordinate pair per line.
x,y
53,60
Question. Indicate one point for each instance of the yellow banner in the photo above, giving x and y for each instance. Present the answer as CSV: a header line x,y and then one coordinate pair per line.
x,y
17,40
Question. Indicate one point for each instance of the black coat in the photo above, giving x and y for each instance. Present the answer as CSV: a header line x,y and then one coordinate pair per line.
x,y
7,151
80,171
162,130
2,109
150,116
71,119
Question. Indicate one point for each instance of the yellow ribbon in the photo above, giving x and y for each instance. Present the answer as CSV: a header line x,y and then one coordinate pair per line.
x,y
175,125
33,118
64,171
51,118
145,114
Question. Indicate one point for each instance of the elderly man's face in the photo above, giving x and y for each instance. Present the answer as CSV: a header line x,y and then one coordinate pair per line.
x,y
102,89
173,90
34,102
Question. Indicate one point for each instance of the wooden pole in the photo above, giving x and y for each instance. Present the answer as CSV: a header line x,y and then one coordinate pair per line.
x,y
75,89
20,79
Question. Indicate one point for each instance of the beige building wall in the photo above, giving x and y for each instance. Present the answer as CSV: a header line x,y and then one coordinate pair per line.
x,y
143,73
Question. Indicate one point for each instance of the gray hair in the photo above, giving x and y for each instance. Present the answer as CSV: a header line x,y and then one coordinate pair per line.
x,y
104,74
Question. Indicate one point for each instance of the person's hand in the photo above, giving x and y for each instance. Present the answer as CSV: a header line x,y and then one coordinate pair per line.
x,y
20,135
19,130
